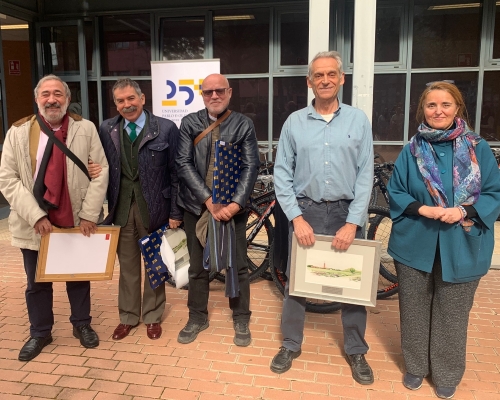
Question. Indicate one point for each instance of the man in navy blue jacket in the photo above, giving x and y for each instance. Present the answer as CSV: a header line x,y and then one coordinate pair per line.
x,y
142,191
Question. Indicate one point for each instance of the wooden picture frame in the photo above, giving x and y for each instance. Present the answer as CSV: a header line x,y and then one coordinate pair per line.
x,y
68,255
322,272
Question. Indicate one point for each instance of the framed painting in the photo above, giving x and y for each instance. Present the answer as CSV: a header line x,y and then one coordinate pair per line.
x,y
347,276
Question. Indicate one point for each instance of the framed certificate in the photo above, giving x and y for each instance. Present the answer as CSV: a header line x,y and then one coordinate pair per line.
x,y
347,276
67,255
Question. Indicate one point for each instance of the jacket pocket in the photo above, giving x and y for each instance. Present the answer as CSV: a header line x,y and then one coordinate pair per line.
x,y
19,228
157,152
465,257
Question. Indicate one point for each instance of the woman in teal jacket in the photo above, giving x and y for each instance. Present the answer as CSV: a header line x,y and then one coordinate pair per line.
x,y
444,200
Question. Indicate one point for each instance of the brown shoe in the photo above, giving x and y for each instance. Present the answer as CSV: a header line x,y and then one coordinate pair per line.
x,y
121,331
153,330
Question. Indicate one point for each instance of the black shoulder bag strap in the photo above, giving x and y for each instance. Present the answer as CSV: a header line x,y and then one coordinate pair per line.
x,y
62,146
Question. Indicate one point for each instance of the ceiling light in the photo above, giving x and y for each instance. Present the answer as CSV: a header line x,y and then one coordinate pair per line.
x,y
233,17
455,6
23,26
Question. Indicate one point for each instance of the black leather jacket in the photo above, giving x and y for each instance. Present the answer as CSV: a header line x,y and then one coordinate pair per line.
x,y
192,162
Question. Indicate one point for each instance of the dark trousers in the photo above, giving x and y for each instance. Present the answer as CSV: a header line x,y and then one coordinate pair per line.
x,y
39,299
198,276
434,318
325,218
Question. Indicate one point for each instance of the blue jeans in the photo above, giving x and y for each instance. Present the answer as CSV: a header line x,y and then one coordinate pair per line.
x,y
325,218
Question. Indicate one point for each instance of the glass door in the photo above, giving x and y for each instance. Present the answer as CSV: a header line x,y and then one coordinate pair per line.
x,y
61,51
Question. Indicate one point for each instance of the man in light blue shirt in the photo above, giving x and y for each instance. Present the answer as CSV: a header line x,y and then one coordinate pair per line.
x,y
323,180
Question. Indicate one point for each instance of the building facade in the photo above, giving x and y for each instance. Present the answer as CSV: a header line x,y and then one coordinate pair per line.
x,y
263,49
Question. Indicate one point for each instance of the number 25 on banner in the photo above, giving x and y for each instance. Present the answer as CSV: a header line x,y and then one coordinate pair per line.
x,y
184,86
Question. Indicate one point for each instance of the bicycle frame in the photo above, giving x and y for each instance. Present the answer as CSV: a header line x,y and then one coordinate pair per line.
x,y
265,215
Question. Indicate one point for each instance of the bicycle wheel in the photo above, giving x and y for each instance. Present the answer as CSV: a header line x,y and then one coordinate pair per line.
x,y
379,228
263,200
257,247
312,305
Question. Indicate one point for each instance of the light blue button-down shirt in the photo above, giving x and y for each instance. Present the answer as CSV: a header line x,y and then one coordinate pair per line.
x,y
140,122
325,161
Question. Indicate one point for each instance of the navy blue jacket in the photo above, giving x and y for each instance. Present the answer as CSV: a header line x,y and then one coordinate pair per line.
x,y
157,171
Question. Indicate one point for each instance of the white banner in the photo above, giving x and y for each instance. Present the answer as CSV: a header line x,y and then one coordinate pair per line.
x,y
177,86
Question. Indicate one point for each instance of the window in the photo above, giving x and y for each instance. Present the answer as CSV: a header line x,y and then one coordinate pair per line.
x,y
490,117
182,38
88,29
388,33
93,103
293,38
241,40
60,50
496,35
446,34
289,95
388,107
123,49
250,97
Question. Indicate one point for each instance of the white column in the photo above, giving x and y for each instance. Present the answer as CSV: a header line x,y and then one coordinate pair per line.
x,y
364,55
319,31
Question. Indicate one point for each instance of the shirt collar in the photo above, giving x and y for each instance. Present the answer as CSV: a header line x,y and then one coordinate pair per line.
x,y
139,122
311,111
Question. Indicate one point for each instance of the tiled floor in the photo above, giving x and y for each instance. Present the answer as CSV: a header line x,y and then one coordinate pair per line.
x,y
212,367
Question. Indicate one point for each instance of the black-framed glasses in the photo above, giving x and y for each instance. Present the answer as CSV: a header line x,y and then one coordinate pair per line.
x,y
209,93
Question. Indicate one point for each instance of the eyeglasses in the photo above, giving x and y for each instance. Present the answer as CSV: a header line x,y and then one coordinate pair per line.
x,y
209,93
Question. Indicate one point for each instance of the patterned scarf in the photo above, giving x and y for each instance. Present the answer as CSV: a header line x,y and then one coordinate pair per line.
x,y
466,173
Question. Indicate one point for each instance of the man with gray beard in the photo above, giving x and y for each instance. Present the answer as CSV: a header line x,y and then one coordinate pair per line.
x,y
140,148
46,188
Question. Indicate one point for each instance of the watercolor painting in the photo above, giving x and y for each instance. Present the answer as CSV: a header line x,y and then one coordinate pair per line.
x,y
345,272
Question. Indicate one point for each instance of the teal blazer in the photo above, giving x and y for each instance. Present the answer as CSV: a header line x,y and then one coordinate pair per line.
x,y
465,256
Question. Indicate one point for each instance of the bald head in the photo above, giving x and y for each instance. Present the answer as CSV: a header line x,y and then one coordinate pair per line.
x,y
216,93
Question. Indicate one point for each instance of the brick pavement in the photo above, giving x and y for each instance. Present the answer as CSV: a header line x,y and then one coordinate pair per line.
x,y
212,367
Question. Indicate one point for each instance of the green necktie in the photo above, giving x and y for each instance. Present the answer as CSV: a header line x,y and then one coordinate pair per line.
x,y
133,133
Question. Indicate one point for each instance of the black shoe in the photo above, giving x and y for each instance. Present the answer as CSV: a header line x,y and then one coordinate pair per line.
x,y
361,371
33,347
282,361
190,332
444,392
88,337
242,336
412,382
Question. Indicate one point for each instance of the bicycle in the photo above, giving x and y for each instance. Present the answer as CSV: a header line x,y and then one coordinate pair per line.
x,y
265,181
260,234
379,229
381,174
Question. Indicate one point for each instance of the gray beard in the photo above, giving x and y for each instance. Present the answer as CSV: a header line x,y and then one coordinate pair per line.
x,y
54,118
